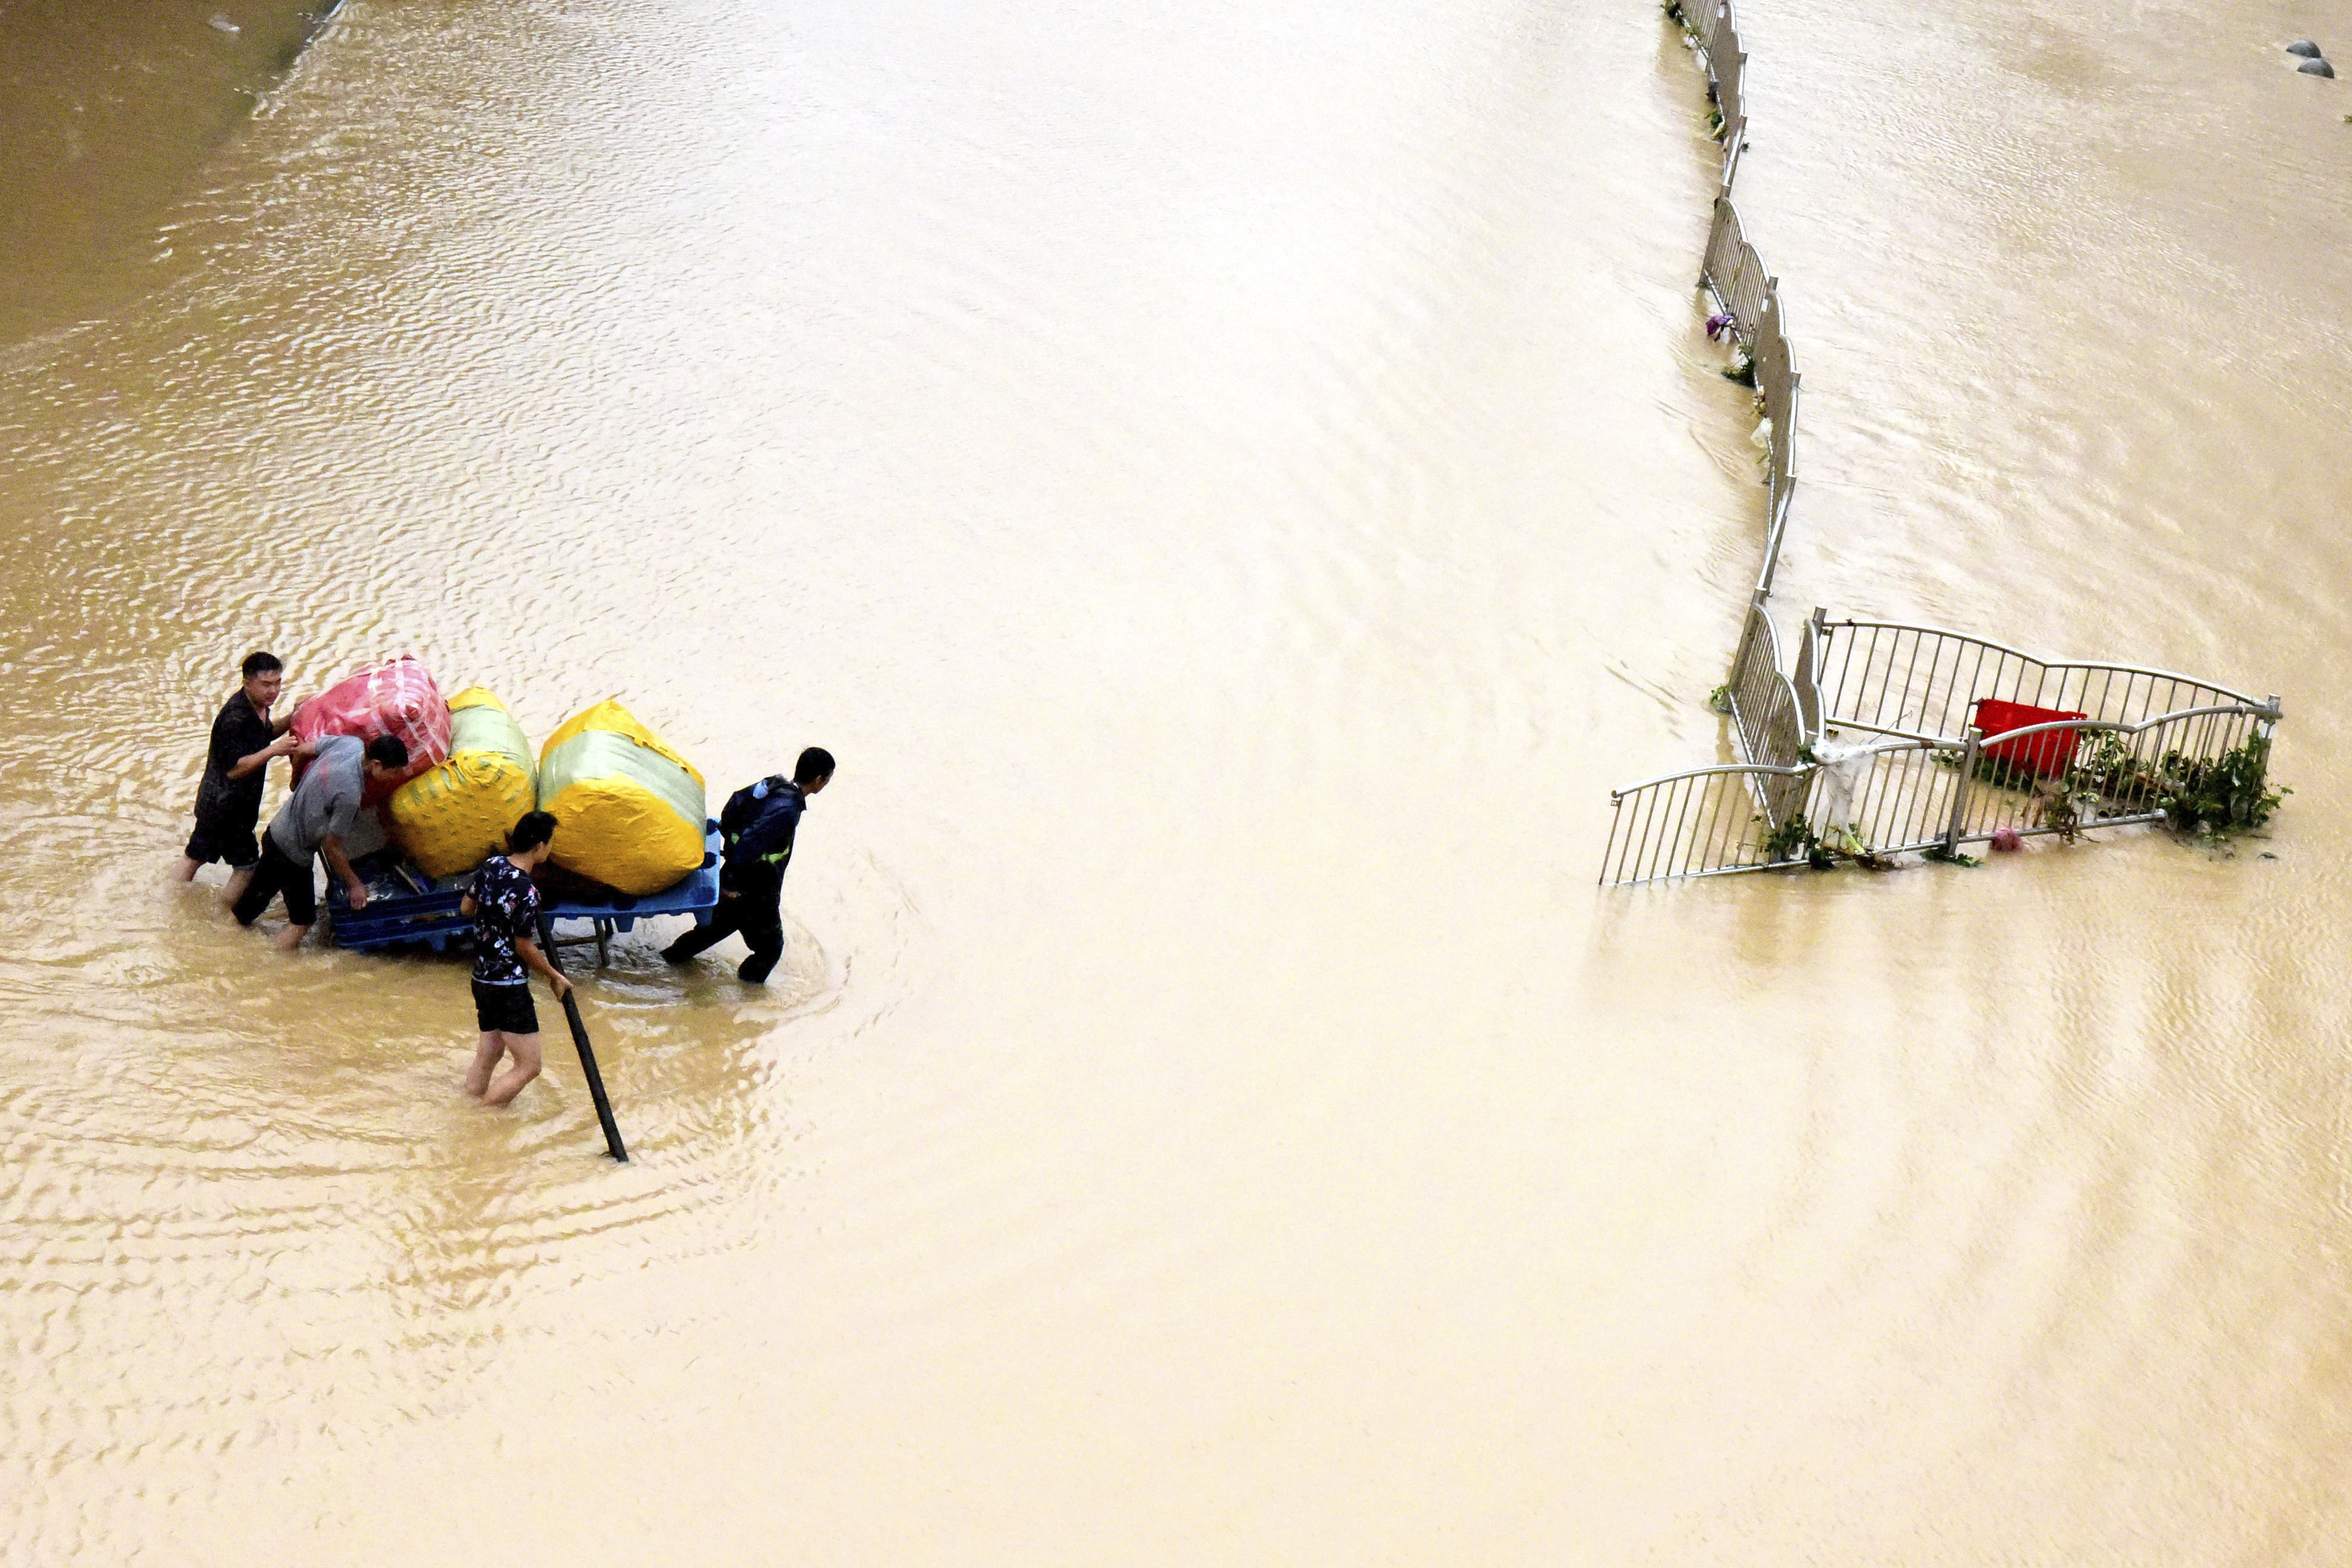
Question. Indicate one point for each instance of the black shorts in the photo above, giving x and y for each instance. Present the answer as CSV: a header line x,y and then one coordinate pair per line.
x,y
274,874
505,1010
223,842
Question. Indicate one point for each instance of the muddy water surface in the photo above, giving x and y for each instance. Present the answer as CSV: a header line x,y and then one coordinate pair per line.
x,y
1234,484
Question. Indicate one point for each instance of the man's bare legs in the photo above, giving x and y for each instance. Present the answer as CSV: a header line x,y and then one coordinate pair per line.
x,y
523,1048
486,1062
240,877
287,940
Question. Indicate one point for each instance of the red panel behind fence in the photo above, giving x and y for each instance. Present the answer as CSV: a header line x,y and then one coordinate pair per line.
x,y
2041,755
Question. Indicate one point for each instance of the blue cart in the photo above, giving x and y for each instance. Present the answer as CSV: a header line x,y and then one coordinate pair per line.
x,y
407,909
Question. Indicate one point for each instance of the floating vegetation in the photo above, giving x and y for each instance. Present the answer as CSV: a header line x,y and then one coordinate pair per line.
x,y
1798,840
2221,795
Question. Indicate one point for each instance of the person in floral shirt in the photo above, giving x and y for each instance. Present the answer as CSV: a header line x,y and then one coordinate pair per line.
x,y
503,904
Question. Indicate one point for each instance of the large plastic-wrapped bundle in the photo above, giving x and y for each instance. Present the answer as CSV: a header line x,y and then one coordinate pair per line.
x,y
628,809
395,697
456,816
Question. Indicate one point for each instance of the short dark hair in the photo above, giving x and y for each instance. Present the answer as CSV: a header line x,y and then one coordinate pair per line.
x,y
388,751
530,831
815,763
258,664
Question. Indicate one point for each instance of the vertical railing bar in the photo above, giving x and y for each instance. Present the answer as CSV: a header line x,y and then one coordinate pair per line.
x,y
1694,796
1638,868
1638,843
1696,787
1652,853
1925,783
1908,669
1694,856
1883,692
1968,693
1656,843
1906,785
1725,828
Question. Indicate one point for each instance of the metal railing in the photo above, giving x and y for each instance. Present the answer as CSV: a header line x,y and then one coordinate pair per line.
x,y
1912,788
1765,715
1917,794
1895,679
1871,743
1711,27
1705,823
1733,270
1904,795
1750,298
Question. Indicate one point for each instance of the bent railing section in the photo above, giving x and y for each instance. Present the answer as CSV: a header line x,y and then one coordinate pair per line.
x,y
1870,744
1864,790
1705,823
1899,679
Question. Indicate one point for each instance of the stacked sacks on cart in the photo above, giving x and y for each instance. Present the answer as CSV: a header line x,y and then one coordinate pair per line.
x,y
455,816
629,808
397,697
394,697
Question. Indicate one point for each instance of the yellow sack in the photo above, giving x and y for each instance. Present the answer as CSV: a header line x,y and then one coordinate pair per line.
x,y
628,809
456,816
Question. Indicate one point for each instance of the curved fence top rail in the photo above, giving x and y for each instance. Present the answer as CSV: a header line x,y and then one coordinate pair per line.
x,y
2268,707
1916,740
1800,770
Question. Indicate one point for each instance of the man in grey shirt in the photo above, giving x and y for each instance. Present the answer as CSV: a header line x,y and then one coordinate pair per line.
x,y
315,821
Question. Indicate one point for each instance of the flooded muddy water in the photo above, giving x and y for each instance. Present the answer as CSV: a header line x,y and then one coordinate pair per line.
x,y
1234,484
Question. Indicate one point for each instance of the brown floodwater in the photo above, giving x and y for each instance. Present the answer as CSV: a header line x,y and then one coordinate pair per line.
x,y
1234,484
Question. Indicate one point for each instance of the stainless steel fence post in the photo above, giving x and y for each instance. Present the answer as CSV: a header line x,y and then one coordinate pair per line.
x,y
1961,792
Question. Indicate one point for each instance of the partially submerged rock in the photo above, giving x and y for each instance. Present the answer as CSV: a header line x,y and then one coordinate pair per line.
x,y
2317,68
2305,47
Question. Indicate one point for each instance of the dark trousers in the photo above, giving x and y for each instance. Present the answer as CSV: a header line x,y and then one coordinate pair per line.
x,y
279,872
758,913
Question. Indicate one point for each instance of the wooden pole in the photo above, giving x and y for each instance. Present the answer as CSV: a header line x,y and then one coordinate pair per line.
x,y
580,1041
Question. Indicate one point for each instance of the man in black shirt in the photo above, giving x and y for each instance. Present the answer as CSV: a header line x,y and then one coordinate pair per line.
x,y
228,800
758,826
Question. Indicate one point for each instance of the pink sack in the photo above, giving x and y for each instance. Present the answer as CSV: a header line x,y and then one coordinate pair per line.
x,y
395,697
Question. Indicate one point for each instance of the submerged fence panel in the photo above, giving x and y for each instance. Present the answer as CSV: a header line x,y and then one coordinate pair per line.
x,y
1703,822
1744,291
1734,272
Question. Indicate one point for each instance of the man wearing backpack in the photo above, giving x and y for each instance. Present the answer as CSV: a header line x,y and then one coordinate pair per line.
x,y
757,827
